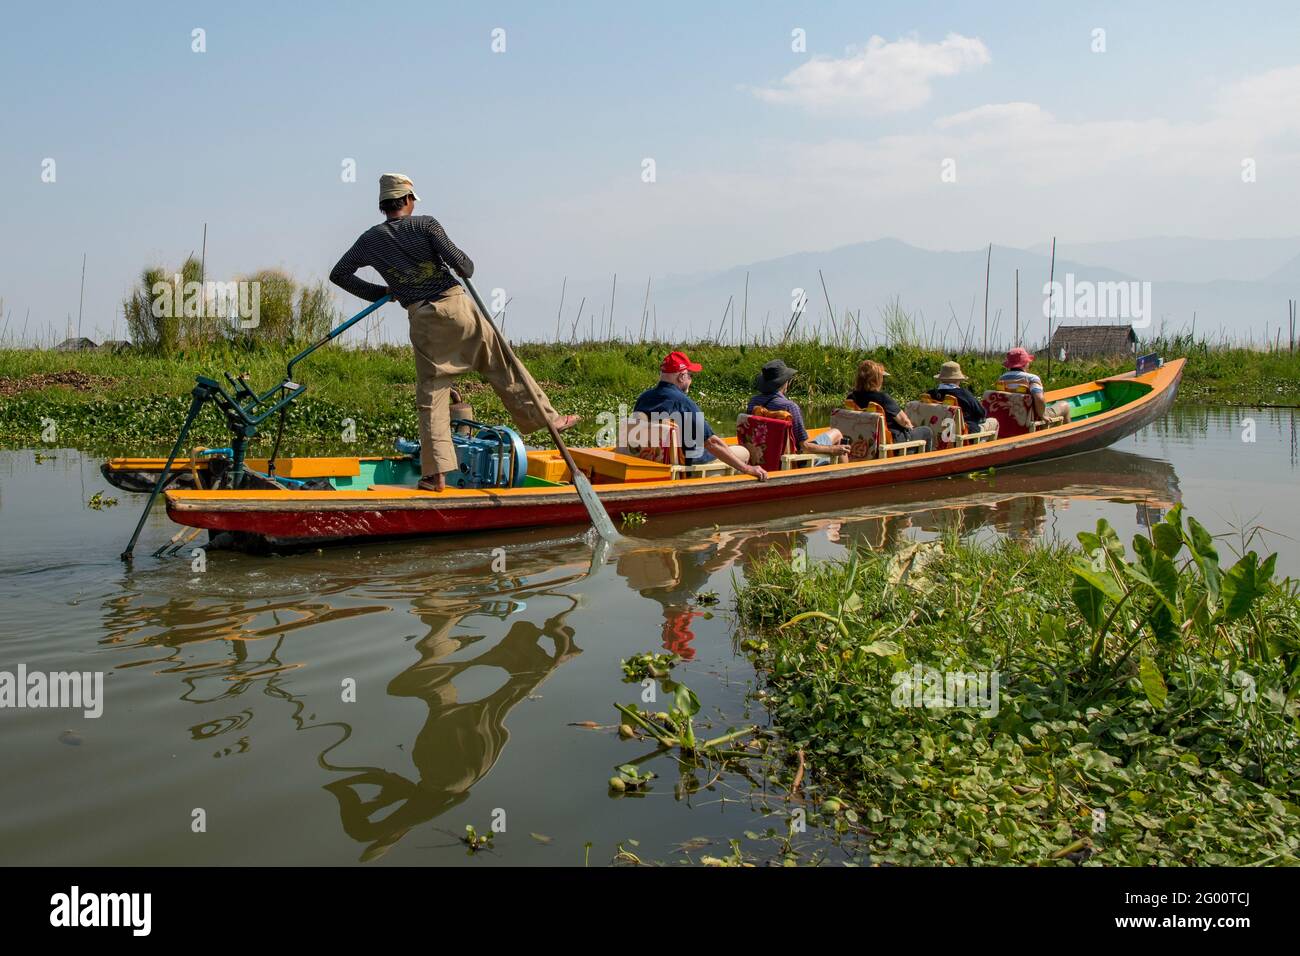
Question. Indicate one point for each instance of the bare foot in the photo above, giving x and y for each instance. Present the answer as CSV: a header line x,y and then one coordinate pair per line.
x,y
433,483
565,422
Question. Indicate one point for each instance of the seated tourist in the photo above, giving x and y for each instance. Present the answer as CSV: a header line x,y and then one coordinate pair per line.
x,y
668,401
950,379
1018,378
772,383
869,388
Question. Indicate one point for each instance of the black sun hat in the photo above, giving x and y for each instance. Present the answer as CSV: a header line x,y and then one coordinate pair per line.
x,y
772,376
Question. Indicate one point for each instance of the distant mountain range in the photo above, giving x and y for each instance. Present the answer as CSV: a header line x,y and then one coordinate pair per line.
x,y
1232,287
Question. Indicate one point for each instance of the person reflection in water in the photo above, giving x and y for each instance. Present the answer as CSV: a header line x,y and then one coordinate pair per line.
x,y
459,742
672,576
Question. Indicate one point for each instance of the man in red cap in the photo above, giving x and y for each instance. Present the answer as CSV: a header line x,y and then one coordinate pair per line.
x,y
1018,378
668,401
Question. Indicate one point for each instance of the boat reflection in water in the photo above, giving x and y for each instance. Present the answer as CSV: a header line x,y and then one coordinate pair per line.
x,y
1015,504
225,647
214,647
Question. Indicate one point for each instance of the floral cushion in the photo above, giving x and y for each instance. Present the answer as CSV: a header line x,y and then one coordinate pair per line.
x,y
653,441
1014,412
766,438
863,432
945,421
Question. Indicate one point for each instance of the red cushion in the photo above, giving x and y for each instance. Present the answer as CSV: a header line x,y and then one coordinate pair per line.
x,y
767,440
1014,412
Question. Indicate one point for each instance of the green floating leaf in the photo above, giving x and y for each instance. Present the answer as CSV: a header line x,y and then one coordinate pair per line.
x,y
1244,582
882,648
1207,558
1168,538
685,701
1157,571
1102,581
1110,539
1090,601
1153,683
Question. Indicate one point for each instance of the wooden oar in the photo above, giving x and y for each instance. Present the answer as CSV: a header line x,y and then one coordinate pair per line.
x,y
596,511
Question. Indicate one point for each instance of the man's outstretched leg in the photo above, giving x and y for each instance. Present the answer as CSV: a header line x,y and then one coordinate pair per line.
x,y
485,352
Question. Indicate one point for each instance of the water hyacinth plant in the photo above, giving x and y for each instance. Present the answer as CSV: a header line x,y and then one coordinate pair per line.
x,y
1146,710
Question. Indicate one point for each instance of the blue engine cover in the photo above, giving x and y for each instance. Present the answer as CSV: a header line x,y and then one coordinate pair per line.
x,y
490,456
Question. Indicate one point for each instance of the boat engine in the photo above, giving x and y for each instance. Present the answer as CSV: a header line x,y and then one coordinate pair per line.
x,y
490,456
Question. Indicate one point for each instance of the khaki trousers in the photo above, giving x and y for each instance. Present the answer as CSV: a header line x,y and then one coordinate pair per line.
x,y
451,338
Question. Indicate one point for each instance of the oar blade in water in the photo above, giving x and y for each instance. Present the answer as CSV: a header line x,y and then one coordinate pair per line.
x,y
599,516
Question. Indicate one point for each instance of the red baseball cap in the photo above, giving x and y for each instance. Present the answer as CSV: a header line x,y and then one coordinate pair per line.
x,y
679,362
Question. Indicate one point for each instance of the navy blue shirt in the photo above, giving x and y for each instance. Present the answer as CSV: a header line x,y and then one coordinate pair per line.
x,y
669,401
972,412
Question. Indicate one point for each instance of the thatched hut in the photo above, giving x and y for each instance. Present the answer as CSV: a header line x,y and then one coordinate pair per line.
x,y
1093,341
81,344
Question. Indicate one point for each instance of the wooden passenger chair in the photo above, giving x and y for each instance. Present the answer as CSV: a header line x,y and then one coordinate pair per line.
x,y
770,441
1014,413
658,441
867,433
946,419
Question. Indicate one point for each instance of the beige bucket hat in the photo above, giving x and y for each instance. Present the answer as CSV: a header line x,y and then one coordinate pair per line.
x,y
950,372
395,186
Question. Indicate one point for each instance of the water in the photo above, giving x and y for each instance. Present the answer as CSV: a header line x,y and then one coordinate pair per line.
x,y
225,688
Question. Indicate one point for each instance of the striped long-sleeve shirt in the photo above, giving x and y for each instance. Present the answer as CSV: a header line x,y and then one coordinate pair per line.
x,y
408,252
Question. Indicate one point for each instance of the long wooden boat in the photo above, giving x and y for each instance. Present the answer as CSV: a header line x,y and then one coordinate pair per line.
x,y
376,497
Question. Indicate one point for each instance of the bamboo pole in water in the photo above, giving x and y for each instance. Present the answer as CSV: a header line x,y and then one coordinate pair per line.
x,y
987,264
744,312
645,307
1051,282
722,324
573,332
82,301
794,318
558,312
612,290
829,311
1016,343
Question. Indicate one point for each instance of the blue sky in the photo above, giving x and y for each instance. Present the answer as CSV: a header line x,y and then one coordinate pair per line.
x,y
532,157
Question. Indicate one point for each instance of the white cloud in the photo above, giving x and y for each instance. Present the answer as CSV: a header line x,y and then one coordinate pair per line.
x,y
1261,105
995,113
880,77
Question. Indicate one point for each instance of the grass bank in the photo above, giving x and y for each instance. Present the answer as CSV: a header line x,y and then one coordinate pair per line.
x,y
136,400
1138,706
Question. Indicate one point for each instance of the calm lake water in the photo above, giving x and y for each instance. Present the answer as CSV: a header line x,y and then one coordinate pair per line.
x,y
223,688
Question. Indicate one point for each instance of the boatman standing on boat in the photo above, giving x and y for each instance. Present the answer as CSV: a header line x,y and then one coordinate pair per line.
x,y
449,335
